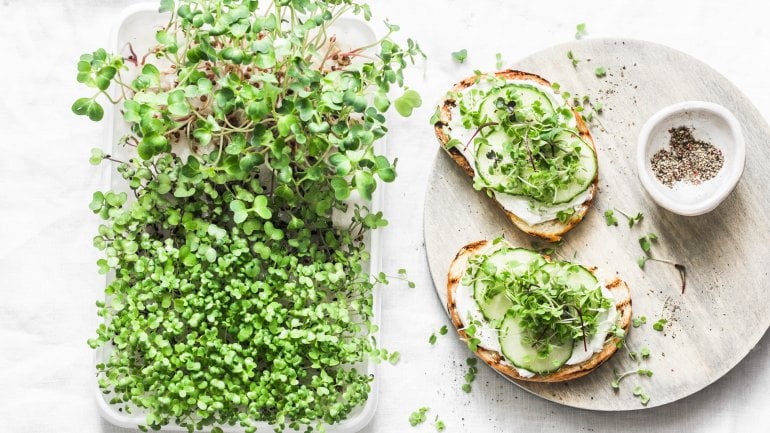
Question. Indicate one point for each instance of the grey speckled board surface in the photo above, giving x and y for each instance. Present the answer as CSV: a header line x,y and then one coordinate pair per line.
x,y
726,307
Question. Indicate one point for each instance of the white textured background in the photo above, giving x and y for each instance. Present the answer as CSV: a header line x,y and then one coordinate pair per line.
x,y
48,279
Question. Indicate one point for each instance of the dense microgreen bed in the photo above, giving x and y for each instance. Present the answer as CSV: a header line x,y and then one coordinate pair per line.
x,y
235,299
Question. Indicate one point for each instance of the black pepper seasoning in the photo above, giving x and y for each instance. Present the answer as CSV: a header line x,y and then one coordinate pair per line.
x,y
687,159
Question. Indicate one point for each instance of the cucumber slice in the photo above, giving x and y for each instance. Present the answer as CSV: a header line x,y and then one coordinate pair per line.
x,y
489,158
513,260
574,275
586,171
528,95
523,355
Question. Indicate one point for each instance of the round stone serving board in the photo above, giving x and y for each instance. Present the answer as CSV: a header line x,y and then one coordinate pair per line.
x,y
726,308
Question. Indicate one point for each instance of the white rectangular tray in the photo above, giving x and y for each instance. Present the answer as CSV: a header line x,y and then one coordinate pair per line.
x,y
137,25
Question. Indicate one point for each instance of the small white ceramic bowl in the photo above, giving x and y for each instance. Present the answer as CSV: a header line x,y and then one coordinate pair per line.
x,y
711,123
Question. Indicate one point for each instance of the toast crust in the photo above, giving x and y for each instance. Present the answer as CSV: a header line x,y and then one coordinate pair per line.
x,y
616,286
550,230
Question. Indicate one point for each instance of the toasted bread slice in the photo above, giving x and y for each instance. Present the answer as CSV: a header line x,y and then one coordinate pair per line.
x,y
551,230
616,286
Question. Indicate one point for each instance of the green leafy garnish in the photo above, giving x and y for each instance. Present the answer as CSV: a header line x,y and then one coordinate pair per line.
x,y
439,424
407,102
659,324
419,416
443,330
600,72
580,31
498,61
564,215
609,218
618,377
470,376
645,242
460,56
432,339
632,219
638,321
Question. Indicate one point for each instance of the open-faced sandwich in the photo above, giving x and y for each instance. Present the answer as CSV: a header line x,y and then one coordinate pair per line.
x,y
533,318
524,146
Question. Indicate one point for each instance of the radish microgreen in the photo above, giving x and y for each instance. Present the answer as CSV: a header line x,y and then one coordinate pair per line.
x,y
459,57
470,376
439,424
235,299
419,416
600,72
645,242
572,58
609,218
580,31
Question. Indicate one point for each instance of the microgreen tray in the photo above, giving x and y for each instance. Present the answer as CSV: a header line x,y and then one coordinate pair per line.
x,y
136,25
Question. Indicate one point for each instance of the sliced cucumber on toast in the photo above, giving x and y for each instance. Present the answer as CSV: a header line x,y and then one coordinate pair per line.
x,y
515,346
515,260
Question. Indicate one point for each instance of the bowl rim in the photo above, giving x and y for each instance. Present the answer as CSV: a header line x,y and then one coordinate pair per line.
x,y
725,187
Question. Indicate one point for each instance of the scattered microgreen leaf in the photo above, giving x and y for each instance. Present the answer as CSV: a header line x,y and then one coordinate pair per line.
x,y
600,72
580,31
407,102
470,376
498,61
618,377
439,424
460,56
571,57
659,324
638,321
645,242
443,330
564,215
609,218
432,339
419,416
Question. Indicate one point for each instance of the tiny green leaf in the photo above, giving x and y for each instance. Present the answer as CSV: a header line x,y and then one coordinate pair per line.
x,y
609,218
580,31
407,102
600,72
97,156
89,108
460,56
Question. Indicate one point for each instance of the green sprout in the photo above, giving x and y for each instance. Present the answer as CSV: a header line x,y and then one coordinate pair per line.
x,y
233,297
